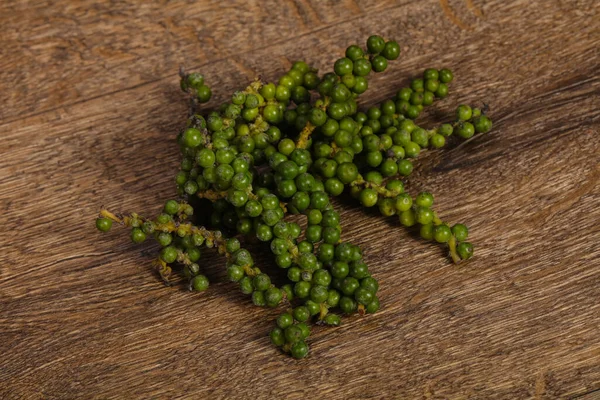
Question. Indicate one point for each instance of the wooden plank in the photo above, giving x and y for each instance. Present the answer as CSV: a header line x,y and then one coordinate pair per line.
x,y
83,316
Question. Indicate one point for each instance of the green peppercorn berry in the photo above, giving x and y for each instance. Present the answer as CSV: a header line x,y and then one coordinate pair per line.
x,y
331,235
318,293
321,277
164,239
342,138
347,172
235,273
412,150
264,233
368,197
258,298
319,200
340,270
391,50
137,235
424,199
482,124
336,110
386,207
261,282
169,254
388,168
317,117
373,306
460,232
412,111
407,218
442,233
404,94
349,285
332,320
148,227
375,44
379,63
465,250
343,66
194,80
334,186
424,215
420,137
348,305
445,130
446,75
405,167
273,296
374,158
199,283
301,314
361,84
403,202
370,284
465,130
302,289
431,73
277,336
314,217
431,85
395,185
205,158
284,320
359,269
293,333
191,137
204,94
349,80
416,99
340,93
237,198
363,296
181,178
442,91
437,141
354,52
374,177
272,114
103,224
299,350
428,98
463,112
313,233
246,285
282,93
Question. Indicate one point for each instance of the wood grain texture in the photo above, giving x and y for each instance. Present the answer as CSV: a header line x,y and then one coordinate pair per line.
x,y
90,104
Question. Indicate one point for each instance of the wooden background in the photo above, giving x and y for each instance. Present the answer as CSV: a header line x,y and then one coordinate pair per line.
x,y
89,108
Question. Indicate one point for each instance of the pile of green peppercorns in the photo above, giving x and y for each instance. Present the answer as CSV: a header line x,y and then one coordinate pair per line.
x,y
285,148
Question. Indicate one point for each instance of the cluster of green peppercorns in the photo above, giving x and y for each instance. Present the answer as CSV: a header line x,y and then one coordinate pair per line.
x,y
285,148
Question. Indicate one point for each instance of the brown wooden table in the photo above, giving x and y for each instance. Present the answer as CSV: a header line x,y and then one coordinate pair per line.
x,y
90,105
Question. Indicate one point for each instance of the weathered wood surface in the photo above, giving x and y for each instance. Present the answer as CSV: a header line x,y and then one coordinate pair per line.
x,y
90,104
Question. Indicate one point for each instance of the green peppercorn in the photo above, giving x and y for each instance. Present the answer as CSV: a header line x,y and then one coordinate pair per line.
x,y
199,283
465,250
103,224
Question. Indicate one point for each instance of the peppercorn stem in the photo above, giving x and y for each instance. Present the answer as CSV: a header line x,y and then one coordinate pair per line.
x,y
107,214
452,246
302,141
382,191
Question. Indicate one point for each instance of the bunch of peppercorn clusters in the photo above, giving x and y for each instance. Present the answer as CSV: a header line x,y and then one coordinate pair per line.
x,y
284,148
